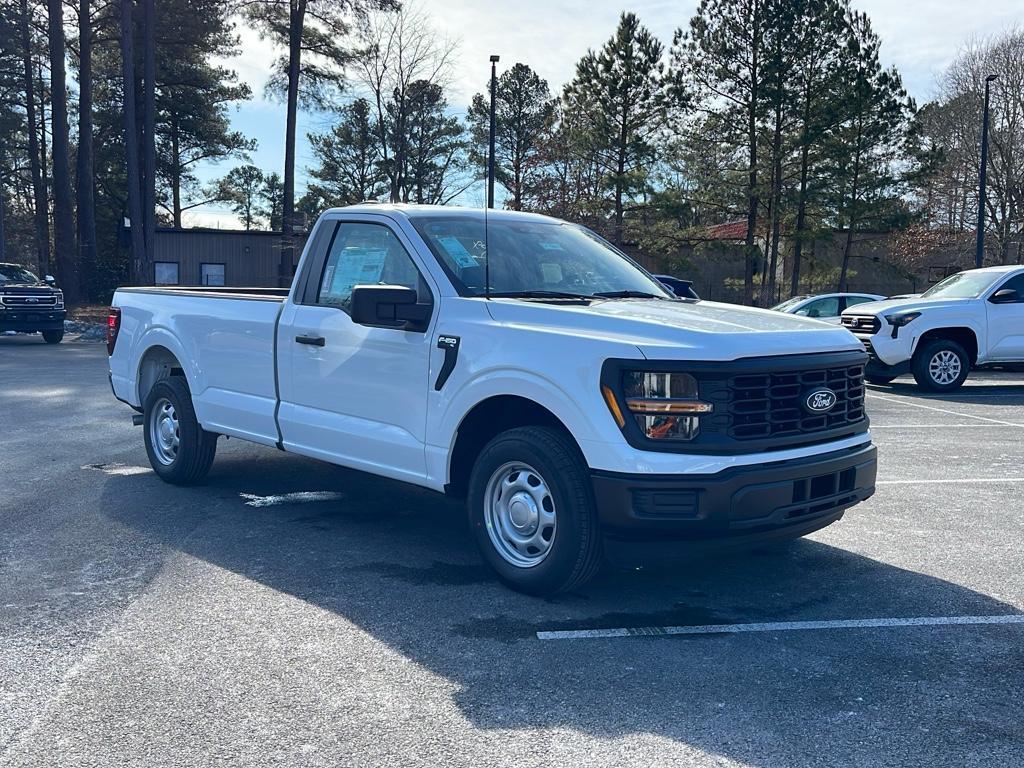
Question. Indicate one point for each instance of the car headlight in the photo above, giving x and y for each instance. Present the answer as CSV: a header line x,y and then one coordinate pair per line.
x,y
60,299
898,319
665,406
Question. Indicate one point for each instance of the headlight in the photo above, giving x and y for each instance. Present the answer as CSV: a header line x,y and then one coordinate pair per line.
x,y
898,319
60,299
664,405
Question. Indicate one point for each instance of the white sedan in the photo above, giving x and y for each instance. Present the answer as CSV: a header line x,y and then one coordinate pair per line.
x,y
826,307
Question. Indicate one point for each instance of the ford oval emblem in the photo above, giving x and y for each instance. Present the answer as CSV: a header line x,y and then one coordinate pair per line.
x,y
821,401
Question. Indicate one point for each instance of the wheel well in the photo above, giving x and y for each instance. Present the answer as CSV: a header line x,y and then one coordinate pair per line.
x,y
484,422
157,363
963,336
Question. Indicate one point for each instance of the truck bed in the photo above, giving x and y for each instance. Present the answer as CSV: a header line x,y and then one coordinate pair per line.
x,y
215,292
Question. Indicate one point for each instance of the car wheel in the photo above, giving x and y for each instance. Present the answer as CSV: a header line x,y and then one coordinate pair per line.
x,y
532,511
941,366
879,380
180,450
53,337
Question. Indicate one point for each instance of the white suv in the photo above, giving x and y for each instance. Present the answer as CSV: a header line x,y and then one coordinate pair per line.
x,y
969,320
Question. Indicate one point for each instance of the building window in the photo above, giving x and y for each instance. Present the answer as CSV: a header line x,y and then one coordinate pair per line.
x,y
166,272
213,274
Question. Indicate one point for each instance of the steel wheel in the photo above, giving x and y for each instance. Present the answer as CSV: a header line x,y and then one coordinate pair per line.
x,y
519,513
945,367
164,431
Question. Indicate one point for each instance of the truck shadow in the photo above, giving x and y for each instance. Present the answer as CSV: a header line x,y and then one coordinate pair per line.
x,y
398,563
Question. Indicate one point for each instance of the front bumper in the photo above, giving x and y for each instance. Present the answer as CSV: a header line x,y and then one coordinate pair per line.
x,y
27,321
777,500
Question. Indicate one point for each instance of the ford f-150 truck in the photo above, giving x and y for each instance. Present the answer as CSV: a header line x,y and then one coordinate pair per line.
x,y
971,319
519,362
30,305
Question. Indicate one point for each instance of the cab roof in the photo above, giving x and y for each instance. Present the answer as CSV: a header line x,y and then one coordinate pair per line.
x,y
413,211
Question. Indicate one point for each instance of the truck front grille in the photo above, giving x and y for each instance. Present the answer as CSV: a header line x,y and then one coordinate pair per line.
x,y
774,404
862,324
29,300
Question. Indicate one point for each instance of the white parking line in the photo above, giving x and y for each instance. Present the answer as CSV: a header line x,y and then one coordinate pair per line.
x,y
300,497
942,426
117,469
779,626
944,410
952,482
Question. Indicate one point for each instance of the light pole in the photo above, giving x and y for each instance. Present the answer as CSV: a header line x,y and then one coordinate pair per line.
x,y
979,254
490,151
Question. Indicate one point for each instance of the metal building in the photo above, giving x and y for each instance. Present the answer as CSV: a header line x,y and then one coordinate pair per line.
x,y
200,256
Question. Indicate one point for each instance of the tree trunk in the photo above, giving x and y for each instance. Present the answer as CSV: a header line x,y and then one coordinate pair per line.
x,y
801,204
84,168
752,196
149,126
175,172
40,202
768,299
63,215
140,265
296,20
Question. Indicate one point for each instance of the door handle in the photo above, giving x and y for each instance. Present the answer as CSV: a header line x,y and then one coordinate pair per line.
x,y
314,341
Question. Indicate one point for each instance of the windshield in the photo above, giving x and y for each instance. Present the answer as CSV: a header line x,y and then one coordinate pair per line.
x,y
789,303
963,285
530,257
12,273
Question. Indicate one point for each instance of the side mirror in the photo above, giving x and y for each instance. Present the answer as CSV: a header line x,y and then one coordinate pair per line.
x,y
669,288
1005,296
389,306
50,279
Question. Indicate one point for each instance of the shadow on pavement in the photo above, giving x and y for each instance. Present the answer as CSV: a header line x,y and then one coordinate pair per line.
x,y
398,562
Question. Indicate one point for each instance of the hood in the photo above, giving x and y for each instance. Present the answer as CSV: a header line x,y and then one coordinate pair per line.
x,y
680,330
887,307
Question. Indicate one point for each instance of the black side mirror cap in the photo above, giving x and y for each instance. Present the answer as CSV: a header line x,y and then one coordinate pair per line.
x,y
1005,296
389,306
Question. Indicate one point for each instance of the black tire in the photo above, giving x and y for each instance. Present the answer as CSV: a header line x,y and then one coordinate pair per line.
x,y
879,380
53,337
193,455
574,556
922,362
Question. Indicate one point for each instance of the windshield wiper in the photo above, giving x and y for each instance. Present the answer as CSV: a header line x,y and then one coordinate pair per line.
x,y
628,295
540,295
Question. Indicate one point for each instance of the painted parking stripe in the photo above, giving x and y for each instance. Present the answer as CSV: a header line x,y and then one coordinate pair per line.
x,y
779,626
117,469
942,426
947,481
300,497
944,410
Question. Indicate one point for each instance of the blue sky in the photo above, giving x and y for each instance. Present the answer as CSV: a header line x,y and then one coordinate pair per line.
x,y
920,37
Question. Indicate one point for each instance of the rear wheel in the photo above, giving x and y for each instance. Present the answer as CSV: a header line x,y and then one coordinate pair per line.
x,y
532,511
941,365
180,450
53,337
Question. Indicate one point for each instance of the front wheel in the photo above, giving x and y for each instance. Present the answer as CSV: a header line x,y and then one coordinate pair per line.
x,y
180,450
941,366
53,337
532,511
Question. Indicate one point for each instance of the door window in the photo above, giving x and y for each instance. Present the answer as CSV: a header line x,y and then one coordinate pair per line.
x,y
852,301
1015,283
827,307
365,254
213,274
165,273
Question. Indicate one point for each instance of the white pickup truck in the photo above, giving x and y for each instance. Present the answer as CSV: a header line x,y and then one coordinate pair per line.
x,y
969,320
517,361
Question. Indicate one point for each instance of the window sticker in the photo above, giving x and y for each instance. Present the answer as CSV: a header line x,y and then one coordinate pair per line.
x,y
550,246
551,273
357,267
457,251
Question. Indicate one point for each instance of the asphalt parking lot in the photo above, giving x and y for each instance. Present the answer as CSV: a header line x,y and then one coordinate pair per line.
x,y
291,613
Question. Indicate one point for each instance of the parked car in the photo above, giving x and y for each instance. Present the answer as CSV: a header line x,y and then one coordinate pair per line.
x,y
681,288
526,367
969,320
827,307
30,305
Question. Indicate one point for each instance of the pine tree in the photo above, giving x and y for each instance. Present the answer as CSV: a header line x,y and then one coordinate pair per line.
x,y
349,169
524,110
619,94
241,188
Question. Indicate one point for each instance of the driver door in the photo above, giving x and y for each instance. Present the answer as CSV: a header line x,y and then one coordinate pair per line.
x,y
1006,324
351,394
